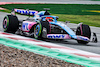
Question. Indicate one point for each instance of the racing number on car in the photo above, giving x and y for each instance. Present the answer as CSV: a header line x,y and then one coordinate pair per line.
x,y
25,27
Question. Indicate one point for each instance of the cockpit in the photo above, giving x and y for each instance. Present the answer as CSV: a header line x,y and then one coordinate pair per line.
x,y
43,13
45,16
49,19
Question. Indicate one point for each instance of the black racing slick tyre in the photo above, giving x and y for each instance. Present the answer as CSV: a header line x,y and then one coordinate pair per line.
x,y
83,30
41,29
46,24
10,23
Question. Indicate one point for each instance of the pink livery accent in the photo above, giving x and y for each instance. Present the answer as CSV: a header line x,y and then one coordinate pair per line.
x,y
50,27
58,36
81,29
27,25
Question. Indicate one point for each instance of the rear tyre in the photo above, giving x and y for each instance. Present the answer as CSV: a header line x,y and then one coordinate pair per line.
x,y
83,30
10,23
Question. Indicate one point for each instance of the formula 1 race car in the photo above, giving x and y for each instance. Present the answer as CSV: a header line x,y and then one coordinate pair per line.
x,y
43,25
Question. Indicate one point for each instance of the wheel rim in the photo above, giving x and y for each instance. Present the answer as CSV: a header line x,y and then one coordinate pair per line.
x,y
36,31
5,23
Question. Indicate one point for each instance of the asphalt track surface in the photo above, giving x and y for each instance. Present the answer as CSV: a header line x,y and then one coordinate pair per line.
x,y
55,1
90,47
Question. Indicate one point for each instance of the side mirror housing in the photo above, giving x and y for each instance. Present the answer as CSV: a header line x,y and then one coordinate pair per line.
x,y
57,18
67,22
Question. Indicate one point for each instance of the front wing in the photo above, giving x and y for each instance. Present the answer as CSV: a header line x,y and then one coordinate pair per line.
x,y
66,36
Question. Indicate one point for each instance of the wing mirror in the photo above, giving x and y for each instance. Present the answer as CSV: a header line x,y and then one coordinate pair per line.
x,y
57,18
67,22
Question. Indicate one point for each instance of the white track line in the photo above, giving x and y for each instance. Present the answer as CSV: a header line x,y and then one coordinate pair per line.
x,y
52,46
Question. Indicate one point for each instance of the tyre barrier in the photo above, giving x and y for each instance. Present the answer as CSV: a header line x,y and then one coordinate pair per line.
x,y
41,55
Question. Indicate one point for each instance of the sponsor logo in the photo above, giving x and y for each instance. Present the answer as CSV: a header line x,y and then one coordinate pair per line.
x,y
56,36
25,27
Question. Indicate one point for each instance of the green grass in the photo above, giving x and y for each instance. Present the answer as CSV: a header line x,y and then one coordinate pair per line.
x,y
8,11
71,9
92,20
66,12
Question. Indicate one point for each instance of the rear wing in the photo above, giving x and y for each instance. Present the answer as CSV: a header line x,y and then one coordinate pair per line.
x,y
26,12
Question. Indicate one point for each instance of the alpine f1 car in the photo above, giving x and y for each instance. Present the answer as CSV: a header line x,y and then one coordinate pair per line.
x,y
44,25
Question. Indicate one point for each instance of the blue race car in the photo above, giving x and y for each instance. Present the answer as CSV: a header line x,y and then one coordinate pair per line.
x,y
44,25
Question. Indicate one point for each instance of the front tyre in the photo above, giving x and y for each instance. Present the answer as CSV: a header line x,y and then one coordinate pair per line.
x,y
37,31
10,23
83,30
